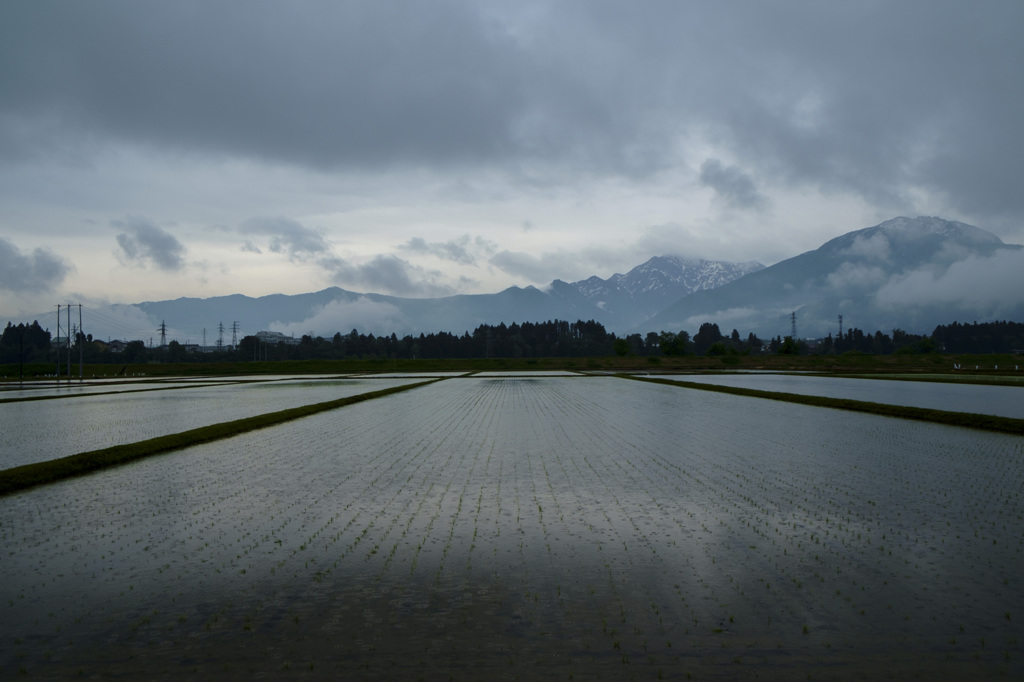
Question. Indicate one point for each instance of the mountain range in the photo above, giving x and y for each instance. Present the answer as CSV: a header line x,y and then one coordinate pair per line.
x,y
906,273
620,302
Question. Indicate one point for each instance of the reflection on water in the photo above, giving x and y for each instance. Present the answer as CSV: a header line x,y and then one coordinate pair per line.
x,y
37,431
592,527
1002,401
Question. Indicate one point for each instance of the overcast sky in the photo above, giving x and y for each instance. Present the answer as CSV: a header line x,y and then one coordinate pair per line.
x,y
155,150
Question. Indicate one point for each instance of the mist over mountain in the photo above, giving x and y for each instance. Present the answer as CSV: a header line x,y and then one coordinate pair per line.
x,y
906,273
619,302
625,301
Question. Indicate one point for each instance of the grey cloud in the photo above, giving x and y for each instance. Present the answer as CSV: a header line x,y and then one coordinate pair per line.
x,y
992,287
524,265
877,99
287,236
463,250
853,277
564,265
144,242
390,275
320,83
40,270
735,187
875,247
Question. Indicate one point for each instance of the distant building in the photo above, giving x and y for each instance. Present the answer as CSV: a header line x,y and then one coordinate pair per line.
x,y
274,338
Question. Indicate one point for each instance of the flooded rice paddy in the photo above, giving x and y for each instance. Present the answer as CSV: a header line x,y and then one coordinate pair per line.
x,y
1002,401
531,528
37,431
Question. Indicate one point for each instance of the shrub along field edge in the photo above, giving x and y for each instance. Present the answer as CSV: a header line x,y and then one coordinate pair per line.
x,y
29,475
964,419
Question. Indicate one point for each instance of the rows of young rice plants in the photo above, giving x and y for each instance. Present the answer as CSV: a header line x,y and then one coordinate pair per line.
x,y
37,431
535,527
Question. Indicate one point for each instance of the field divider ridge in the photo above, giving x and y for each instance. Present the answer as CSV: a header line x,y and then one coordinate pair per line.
x,y
970,420
41,473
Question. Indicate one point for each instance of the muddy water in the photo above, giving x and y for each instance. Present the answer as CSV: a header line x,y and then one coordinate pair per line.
x,y
523,528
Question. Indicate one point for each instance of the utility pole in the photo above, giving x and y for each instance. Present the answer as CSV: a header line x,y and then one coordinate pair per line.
x,y
69,342
81,342
57,345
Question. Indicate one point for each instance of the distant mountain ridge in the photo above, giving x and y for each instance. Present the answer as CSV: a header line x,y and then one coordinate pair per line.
x,y
618,302
627,300
907,273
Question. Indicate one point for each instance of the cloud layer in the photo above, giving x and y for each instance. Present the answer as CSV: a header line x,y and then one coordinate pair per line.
x,y
144,243
467,146
40,270
873,97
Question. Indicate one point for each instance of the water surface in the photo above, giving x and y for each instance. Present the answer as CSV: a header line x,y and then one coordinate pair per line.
x,y
1002,401
596,527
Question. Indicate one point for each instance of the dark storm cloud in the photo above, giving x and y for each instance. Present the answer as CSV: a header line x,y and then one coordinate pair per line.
x,y
874,98
144,242
734,186
319,83
287,236
41,270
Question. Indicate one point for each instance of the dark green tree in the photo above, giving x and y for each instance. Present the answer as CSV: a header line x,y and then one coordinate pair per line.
x,y
708,334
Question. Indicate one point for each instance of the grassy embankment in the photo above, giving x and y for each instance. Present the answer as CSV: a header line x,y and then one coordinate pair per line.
x,y
963,419
831,364
19,478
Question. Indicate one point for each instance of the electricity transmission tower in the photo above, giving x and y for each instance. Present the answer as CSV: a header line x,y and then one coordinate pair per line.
x,y
163,333
792,321
234,334
79,339
220,336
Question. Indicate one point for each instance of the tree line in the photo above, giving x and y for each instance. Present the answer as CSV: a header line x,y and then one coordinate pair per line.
x,y
554,338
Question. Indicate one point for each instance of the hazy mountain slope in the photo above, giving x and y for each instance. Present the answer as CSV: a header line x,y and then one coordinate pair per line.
x,y
911,273
619,302
334,309
629,299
